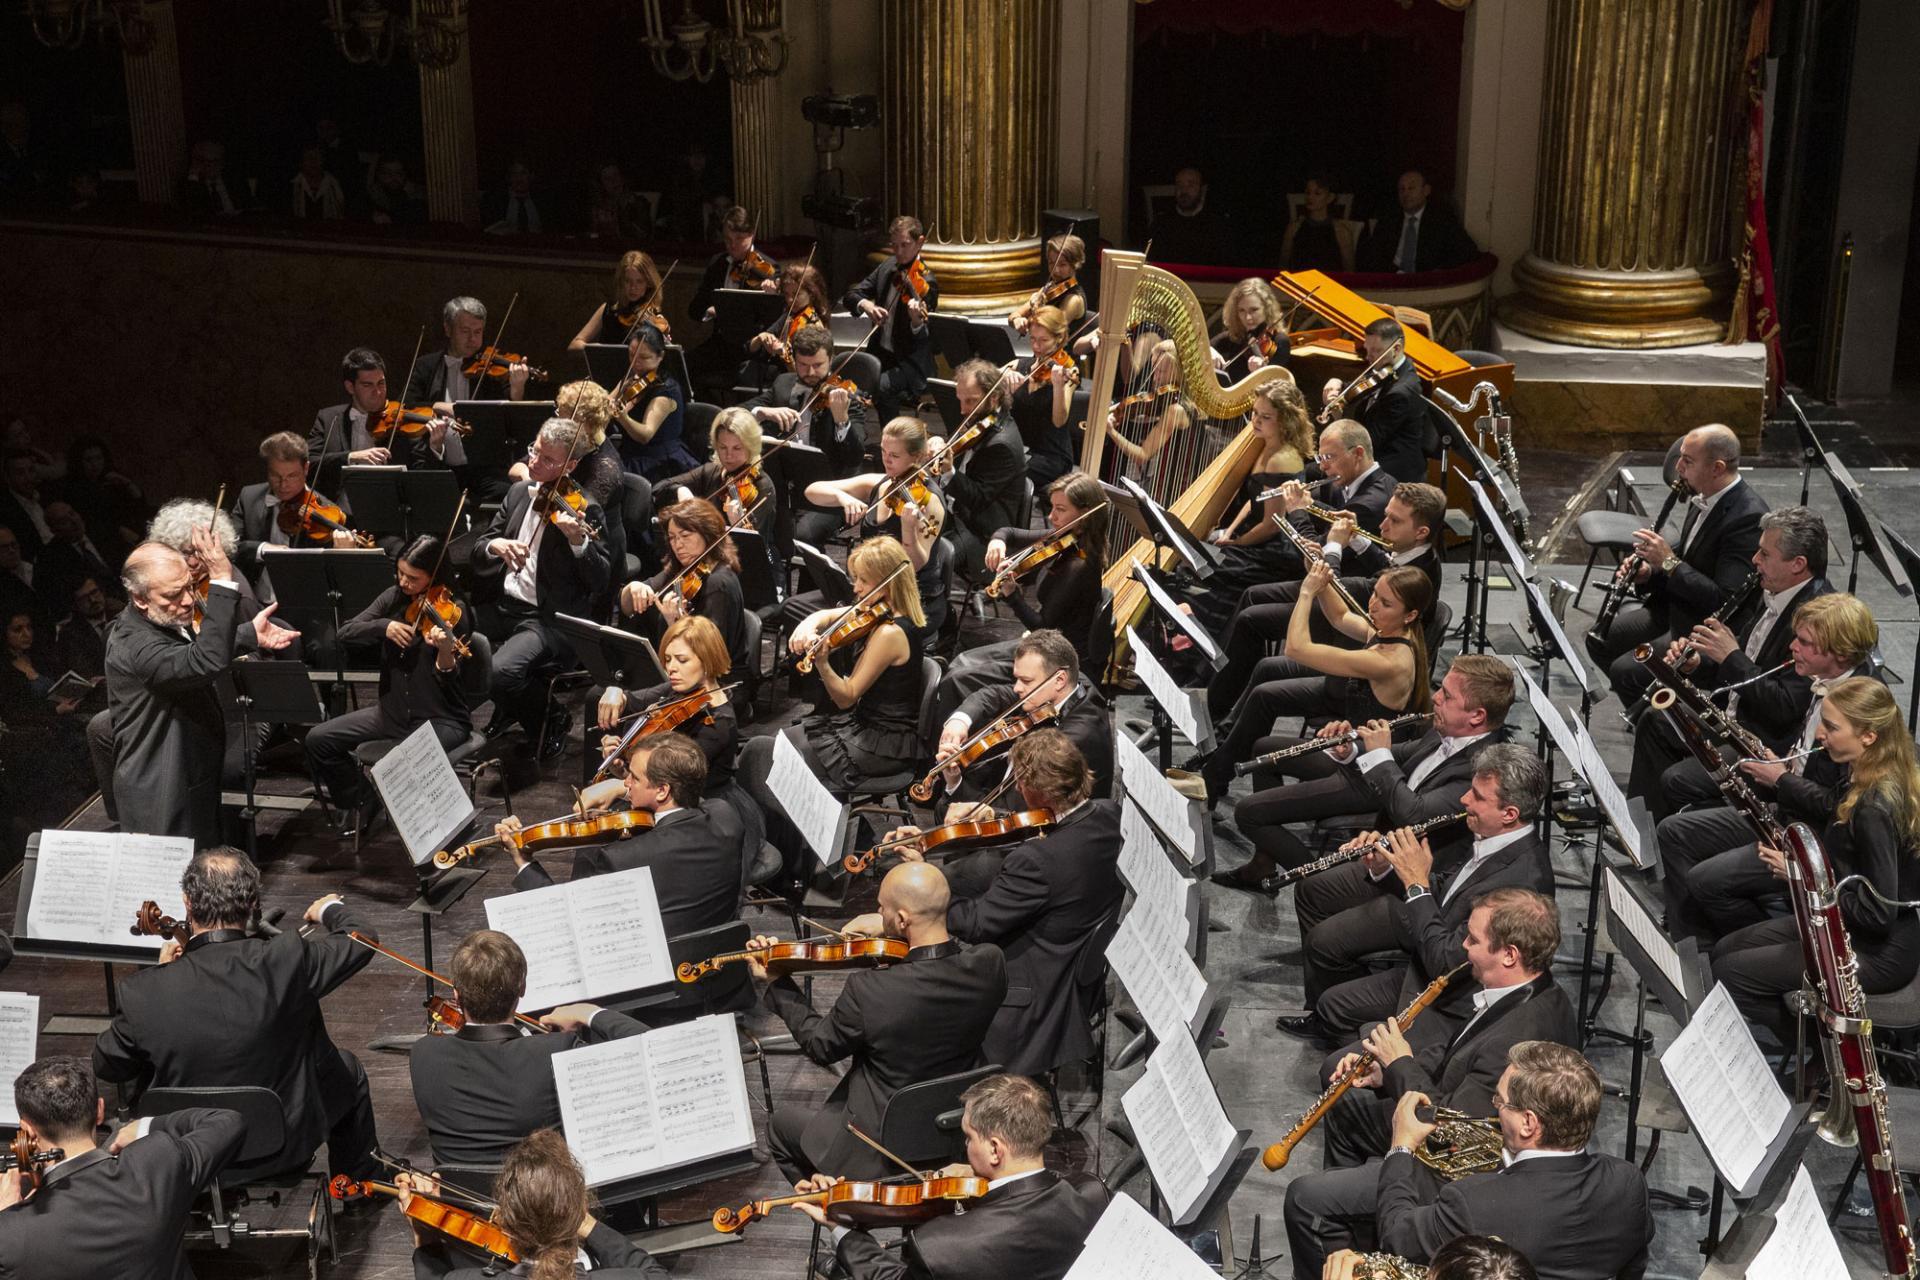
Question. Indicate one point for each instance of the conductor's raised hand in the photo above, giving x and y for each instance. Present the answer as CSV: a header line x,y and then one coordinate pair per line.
x,y
211,553
270,635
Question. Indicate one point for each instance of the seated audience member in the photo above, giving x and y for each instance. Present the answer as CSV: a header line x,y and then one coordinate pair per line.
x,y
1422,234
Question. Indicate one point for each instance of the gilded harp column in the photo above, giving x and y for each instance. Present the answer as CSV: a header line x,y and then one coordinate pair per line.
x,y
967,112
1640,161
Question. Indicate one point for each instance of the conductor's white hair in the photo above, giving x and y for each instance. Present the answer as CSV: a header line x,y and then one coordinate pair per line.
x,y
173,526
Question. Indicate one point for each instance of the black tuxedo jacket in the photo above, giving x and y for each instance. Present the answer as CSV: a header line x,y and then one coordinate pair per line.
x,y
330,440
1715,562
1366,562
169,733
614,1258
908,345
1086,721
984,491
563,581
843,456
1395,415
1033,1229
1052,908
63,566
1436,935
413,689
1440,243
484,1088
697,860
1774,707
256,520
1459,1067
81,648
1575,1217
1067,588
241,1010
427,382
900,1025
1367,499
108,1217
1439,793
15,517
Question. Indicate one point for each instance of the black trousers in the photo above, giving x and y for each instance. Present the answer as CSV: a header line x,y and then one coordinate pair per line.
x,y
527,652
1265,704
1334,1209
1261,620
1713,880
330,749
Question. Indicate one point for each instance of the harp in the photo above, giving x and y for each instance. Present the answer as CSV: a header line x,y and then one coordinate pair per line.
x,y
1196,476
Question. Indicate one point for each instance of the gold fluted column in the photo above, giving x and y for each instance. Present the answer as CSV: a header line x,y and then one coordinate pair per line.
x,y
1639,165
151,57
967,113
755,135
446,121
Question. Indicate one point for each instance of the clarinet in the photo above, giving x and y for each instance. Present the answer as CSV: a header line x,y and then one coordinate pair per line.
x,y
1858,1111
1618,588
1312,745
1340,857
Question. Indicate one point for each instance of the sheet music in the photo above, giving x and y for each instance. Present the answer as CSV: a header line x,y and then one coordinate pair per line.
x,y
19,1045
812,808
1147,787
1180,1125
1802,1246
1128,1243
422,794
1606,792
587,938
1175,701
1188,625
1157,884
1652,939
1724,1086
88,885
1149,956
651,1102
1548,714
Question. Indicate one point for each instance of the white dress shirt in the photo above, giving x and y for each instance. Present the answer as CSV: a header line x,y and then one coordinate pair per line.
x,y
1704,505
1483,849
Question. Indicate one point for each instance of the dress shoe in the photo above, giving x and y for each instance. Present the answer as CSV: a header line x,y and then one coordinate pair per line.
x,y
1307,1026
1241,878
554,739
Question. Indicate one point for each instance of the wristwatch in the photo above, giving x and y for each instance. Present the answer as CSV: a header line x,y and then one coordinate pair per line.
x,y
1671,563
1418,891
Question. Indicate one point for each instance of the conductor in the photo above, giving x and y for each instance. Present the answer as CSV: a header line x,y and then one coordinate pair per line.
x,y
164,653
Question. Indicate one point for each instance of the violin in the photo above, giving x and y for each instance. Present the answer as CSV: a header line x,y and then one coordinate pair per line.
x,y
917,284
1042,374
437,606
410,421
999,733
795,323
743,483
753,270
855,624
444,1011
1145,397
1056,543
959,837
662,717
914,491
627,314
834,382
313,517
29,1159
803,957
1378,373
149,923
628,393
573,829
564,493
867,1204
497,364
436,1214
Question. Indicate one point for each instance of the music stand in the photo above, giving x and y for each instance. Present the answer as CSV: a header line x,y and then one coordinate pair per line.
x,y
327,585
266,692
1861,528
397,502
1552,642
952,337
738,314
1812,452
1162,527
503,430
53,949
997,342
849,330
828,578
758,588
607,363
615,658
1910,561
946,400
1184,622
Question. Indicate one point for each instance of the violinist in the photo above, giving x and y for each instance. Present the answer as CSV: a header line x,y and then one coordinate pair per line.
x,y
419,627
343,435
113,1211
1394,409
903,447
1046,671
636,294
1032,1223
231,1007
733,479
649,407
872,680
546,1213
899,1025
696,847
987,484
1252,335
897,295
258,507
1042,399
1064,591
701,580
1063,290
739,265
537,558
836,417
489,1083
769,352
440,379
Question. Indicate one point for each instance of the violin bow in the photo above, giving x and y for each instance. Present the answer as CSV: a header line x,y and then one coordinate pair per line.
x,y
373,946
864,600
728,477
943,763
219,501
966,424
499,329
825,928
419,341
788,313
441,559
659,291
833,371
854,1129
443,1190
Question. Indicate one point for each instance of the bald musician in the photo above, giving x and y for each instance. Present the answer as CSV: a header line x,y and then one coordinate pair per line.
x,y
899,1025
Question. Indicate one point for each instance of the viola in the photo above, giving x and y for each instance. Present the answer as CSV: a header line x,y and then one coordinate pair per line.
x,y
313,517
662,717
855,624
149,923
435,1214
572,829
867,1204
803,957
498,364
561,494
437,605
753,270
959,837
1043,371
410,421
1002,732
31,1161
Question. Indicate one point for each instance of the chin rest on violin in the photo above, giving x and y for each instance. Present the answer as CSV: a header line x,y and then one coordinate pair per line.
x,y
867,1204
804,957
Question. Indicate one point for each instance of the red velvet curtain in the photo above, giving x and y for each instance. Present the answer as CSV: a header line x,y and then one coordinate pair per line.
x,y
1388,19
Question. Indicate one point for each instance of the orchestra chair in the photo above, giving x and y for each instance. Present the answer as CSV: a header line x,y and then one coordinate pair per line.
x,y
265,1118
1891,1011
1100,644
636,517
1090,970
697,427
921,1125
469,758
1903,1113
1611,528
888,794
862,369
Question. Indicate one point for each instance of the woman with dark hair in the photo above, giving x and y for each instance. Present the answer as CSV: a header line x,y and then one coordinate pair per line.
x,y
421,674
43,739
1316,240
649,406
112,505
693,584
635,294
769,352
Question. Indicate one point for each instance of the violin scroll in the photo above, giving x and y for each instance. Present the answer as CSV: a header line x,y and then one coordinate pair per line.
x,y
693,971
728,1221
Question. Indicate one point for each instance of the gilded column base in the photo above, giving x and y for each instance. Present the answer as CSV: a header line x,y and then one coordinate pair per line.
x,y
985,279
1624,310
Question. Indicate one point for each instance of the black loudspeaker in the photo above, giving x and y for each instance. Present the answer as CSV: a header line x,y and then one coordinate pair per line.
x,y
1084,223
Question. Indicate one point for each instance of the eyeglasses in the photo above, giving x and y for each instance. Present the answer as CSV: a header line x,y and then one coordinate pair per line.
x,y
1501,1104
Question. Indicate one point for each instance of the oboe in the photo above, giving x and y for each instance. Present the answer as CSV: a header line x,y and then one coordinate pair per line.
x,y
1340,857
1312,745
1728,607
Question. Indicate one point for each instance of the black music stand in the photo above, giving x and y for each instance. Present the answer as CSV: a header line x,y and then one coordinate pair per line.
x,y
1551,641
323,586
607,362
54,949
1812,452
952,337
1162,527
997,342
828,578
946,401
614,658
758,586
397,502
268,693
503,430
738,314
1861,528
1480,470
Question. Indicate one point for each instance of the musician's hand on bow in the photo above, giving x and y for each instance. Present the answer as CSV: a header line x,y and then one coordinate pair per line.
x,y
1714,640
1256,362
511,552
1294,496
1411,857
570,1017
318,907
1765,771
1774,860
400,635
996,552
872,310
1219,361
612,703
1651,547
1409,1130
1388,1044
866,926
374,457
637,597
851,508
1376,735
